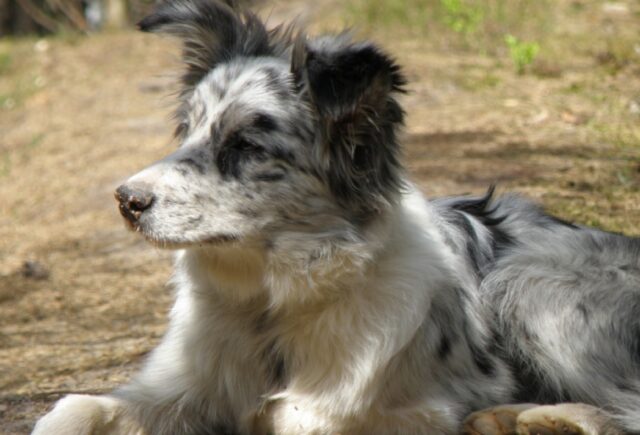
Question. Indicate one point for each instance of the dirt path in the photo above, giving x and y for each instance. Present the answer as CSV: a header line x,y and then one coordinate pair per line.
x,y
82,300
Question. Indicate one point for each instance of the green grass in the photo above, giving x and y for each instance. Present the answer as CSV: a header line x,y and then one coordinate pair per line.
x,y
462,17
377,15
17,73
522,53
10,159
476,79
618,52
476,25
543,33
5,62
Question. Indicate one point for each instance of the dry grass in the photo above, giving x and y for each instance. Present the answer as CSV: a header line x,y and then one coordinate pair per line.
x,y
86,112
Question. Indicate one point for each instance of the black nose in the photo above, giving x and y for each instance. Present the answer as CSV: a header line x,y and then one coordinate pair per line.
x,y
133,202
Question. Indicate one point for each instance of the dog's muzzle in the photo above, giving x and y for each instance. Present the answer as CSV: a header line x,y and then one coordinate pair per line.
x,y
133,202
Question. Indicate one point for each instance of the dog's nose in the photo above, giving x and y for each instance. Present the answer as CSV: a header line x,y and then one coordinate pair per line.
x,y
133,202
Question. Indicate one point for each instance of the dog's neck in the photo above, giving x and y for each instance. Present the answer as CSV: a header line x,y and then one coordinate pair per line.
x,y
298,269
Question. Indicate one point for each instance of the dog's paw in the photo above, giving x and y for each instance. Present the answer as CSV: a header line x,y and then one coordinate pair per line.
x,y
566,419
283,415
86,415
500,420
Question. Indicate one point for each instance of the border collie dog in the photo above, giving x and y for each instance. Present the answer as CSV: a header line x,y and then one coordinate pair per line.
x,y
318,292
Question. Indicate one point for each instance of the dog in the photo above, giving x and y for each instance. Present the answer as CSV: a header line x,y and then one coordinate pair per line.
x,y
318,292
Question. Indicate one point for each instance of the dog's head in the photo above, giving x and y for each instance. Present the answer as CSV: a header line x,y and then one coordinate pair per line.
x,y
279,133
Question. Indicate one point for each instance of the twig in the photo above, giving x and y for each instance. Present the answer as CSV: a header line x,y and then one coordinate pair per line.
x,y
38,16
71,12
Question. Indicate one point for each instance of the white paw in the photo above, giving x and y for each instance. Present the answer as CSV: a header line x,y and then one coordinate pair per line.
x,y
285,416
86,415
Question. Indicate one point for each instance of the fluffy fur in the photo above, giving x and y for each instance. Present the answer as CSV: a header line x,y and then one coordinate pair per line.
x,y
318,292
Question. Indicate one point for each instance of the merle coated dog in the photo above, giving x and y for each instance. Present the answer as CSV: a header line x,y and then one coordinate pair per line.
x,y
318,292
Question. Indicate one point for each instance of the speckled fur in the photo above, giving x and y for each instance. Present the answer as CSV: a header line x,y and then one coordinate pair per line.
x,y
318,292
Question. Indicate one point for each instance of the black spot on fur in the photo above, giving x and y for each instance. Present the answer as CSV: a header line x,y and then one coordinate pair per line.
x,y
351,86
269,176
221,429
530,379
444,348
480,208
265,123
276,85
480,351
222,238
557,221
584,311
626,388
445,317
280,153
635,343
276,370
500,241
530,384
474,252
480,250
482,360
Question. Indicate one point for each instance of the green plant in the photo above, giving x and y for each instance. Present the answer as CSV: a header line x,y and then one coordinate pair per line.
x,y
412,15
461,17
5,62
522,53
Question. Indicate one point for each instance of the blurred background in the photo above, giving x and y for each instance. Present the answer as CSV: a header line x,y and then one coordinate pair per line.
x,y
23,17
541,97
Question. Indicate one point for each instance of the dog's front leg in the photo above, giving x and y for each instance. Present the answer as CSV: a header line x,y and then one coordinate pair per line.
x,y
337,360
84,415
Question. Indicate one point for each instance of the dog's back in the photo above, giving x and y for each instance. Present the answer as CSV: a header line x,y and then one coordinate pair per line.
x,y
565,299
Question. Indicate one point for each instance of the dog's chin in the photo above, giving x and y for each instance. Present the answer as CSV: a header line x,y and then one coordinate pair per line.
x,y
174,244
170,243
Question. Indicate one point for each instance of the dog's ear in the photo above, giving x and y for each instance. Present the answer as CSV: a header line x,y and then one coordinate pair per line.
x,y
212,31
352,88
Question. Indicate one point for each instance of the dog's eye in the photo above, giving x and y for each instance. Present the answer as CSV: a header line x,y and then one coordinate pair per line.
x,y
236,151
245,146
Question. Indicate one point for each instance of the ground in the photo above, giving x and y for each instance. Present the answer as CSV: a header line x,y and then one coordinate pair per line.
x,y
82,300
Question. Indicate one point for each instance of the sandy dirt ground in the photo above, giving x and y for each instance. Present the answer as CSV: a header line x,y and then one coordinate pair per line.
x,y
82,300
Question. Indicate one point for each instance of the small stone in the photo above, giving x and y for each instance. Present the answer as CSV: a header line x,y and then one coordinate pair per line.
x,y
41,46
511,103
615,8
34,270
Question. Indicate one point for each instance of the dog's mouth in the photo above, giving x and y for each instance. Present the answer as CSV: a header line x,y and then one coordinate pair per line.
x,y
172,244
135,221
159,241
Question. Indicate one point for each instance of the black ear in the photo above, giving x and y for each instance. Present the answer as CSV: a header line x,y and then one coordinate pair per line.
x,y
352,87
212,31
